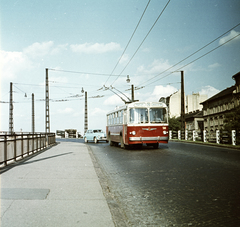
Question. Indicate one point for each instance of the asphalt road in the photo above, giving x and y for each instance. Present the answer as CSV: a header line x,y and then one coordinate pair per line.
x,y
178,184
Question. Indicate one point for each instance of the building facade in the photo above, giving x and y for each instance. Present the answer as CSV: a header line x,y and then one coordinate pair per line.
x,y
192,103
215,108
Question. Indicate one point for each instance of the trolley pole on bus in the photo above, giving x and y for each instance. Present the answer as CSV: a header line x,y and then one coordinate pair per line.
x,y
132,93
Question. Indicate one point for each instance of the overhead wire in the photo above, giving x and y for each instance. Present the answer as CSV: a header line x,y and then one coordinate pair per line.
x,y
78,72
143,40
192,53
129,41
194,60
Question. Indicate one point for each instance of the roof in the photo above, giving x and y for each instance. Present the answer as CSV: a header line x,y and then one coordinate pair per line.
x,y
236,75
194,114
223,93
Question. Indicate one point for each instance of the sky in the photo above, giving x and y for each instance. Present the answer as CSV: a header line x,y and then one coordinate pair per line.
x,y
94,45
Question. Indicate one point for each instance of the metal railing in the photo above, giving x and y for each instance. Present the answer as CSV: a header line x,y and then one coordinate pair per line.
x,y
219,137
14,147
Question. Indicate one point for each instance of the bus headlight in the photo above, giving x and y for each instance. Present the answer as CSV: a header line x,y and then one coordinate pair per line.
x,y
165,132
133,133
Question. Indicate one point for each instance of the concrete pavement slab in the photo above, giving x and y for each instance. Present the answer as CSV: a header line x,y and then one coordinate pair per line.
x,y
58,187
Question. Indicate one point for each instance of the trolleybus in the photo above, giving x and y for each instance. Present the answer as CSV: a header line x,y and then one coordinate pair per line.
x,y
138,123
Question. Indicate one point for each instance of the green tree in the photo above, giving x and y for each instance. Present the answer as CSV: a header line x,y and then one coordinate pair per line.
x,y
232,122
174,123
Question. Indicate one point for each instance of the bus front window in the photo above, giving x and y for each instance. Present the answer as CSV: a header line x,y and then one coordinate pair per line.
x,y
158,115
138,115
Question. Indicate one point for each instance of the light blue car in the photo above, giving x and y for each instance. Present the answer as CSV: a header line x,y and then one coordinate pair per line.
x,y
95,135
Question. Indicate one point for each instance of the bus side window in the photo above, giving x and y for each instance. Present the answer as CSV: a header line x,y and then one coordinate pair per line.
x,y
125,116
111,119
131,117
121,116
118,117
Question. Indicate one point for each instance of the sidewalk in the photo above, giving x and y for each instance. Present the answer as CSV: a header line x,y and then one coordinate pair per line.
x,y
58,187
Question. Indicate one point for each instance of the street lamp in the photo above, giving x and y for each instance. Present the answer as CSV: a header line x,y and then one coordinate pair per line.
x,y
128,80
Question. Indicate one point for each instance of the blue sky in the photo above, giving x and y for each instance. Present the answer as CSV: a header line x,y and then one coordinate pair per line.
x,y
82,41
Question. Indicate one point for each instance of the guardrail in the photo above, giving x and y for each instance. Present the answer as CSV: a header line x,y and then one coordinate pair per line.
x,y
219,137
17,146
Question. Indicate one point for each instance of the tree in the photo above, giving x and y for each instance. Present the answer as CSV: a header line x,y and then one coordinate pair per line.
x,y
174,123
232,122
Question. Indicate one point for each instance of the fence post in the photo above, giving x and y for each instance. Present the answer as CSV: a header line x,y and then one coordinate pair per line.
x,y
170,134
5,150
46,136
186,134
179,134
15,147
66,135
234,137
28,144
217,136
204,136
22,145
194,135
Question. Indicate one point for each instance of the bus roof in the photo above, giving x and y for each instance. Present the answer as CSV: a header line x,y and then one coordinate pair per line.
x,y
139,105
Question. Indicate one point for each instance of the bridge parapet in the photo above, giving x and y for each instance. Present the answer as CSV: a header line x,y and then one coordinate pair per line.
x,y
16,146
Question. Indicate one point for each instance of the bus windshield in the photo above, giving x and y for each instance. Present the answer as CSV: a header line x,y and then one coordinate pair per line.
x,y
138,115
158,115
145,115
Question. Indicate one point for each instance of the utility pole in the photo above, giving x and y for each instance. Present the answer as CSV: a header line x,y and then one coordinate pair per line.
x,y
182,104
11,110
47,105
86,114
33,115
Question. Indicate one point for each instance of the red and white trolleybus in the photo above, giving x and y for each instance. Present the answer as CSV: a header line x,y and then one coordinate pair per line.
x,y
138,123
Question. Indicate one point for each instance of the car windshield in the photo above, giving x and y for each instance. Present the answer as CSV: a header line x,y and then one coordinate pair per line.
x,y
97,130
158,115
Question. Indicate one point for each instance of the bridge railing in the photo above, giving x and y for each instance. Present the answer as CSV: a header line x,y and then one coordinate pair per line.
x,y
219,137
17,146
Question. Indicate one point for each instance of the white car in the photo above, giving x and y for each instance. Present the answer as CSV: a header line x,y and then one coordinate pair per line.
x,y
95,135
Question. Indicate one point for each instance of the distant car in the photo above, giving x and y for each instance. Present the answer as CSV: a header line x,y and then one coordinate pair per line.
x,y
95,135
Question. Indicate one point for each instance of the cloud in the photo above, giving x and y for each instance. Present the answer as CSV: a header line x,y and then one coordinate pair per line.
x,y
124,59
229,36
213,66
114,100
38,49
67,110
157,66
209,91
97,112
161,91
43,49
13,62
96,48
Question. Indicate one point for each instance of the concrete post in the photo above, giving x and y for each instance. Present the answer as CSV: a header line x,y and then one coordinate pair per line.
x,y
234,137
179,134
66,134
186,134
194,135
217,136
204,136
170,134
